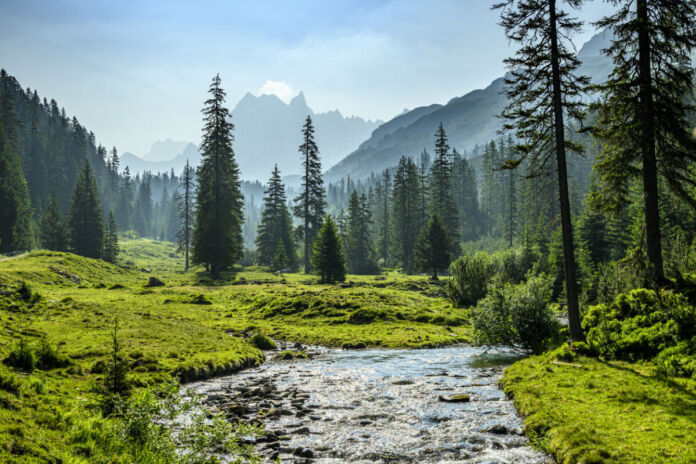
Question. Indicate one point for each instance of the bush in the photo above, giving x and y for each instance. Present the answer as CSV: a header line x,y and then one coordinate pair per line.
x,y
262,342
678,360
22,357
471,275
639,325
517,315
9,381
49,358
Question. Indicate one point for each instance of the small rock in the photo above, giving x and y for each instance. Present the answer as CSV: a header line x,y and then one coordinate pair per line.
x,y
497,429
303,452
460,398
155,282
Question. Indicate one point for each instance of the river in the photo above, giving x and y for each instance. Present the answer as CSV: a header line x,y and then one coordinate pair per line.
x,y
438,405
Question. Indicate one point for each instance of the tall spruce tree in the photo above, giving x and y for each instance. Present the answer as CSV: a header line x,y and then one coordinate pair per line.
x,y
433,247
310,203
86,218
328,258
276,225
142,220
643,113
124,207
217,236
465,195
544,91
111,248
53,235
405,216
184,233
359,252
440,187
15,211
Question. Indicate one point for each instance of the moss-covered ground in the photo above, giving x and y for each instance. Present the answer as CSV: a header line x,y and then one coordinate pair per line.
x,y
192,327
590,411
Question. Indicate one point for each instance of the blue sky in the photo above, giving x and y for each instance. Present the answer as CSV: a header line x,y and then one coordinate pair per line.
x,y
137,71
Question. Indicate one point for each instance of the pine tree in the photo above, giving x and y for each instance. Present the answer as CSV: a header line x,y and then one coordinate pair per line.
x,y
276,225
124,208
111,248
441,202
217,236
53,235
85,219
643,115
382,209
359,252
433,247
15,210
186,208
405,216
142,220
465,195
280,257
328,258
310,204
544,92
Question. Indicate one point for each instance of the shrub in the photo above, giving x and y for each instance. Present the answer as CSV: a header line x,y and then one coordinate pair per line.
x,y
262,342
639,324
9,381
678,360
471,275
48,357
22,357
517,315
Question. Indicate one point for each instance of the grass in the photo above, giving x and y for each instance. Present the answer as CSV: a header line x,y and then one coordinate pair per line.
x,y
193,328
590,411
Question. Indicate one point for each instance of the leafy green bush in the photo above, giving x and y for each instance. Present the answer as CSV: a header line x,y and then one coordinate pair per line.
x,y
678,360
517,315
262,342
471,275
22,357
640,325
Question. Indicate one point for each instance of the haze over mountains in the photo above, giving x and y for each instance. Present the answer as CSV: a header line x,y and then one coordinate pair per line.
x,y
267,131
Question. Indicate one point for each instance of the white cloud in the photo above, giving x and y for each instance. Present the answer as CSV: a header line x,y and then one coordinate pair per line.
x,y
280,89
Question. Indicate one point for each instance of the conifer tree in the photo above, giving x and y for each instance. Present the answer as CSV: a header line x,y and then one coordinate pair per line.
x,y
276,225
53,235
217,236
544,92
382,209
142,220
124,207
328,258
310,203
111,248
405,217
465,195
433,247
85,219
643,116
280,257
359,252
15,206
185,206
441,202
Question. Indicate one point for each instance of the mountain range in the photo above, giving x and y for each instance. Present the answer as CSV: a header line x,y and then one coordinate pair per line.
x,y
267,131
469,120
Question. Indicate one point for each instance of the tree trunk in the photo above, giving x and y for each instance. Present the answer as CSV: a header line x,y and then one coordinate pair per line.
x,y
566,224
647,142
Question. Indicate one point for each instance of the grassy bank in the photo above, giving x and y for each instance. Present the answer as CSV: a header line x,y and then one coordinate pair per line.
x,y
192,327
590,411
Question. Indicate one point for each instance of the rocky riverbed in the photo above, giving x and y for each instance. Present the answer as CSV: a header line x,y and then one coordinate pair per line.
x,y
415,406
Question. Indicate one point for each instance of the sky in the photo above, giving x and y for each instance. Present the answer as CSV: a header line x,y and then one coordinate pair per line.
x,y
137,71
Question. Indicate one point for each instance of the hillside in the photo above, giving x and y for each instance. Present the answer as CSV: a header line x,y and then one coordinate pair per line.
x,y
469,120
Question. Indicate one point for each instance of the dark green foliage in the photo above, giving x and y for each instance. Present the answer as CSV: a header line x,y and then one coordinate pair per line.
x,y
85,219
124,206
48,357
116,386
275,228
643,115
405,217
517,315
328,259
280,258
217,237
471,275
310,203
142,214
381,208
111,248
432,251
53,235
440,189
185,209
359,252
22,356
262,342
544,94
465,195
640,325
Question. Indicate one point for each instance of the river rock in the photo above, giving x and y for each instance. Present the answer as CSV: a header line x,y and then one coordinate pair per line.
x,y
497,429
303,452
459,398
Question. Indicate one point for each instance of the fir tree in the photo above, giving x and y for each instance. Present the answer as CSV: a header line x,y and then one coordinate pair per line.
x,y
544,92
328,258
124,208
85,219
217,236
310,204
185,209
643,116
280,257
433,247
276,225
53,235
111,248
465,196
359,251
441,202
143,208
405,217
